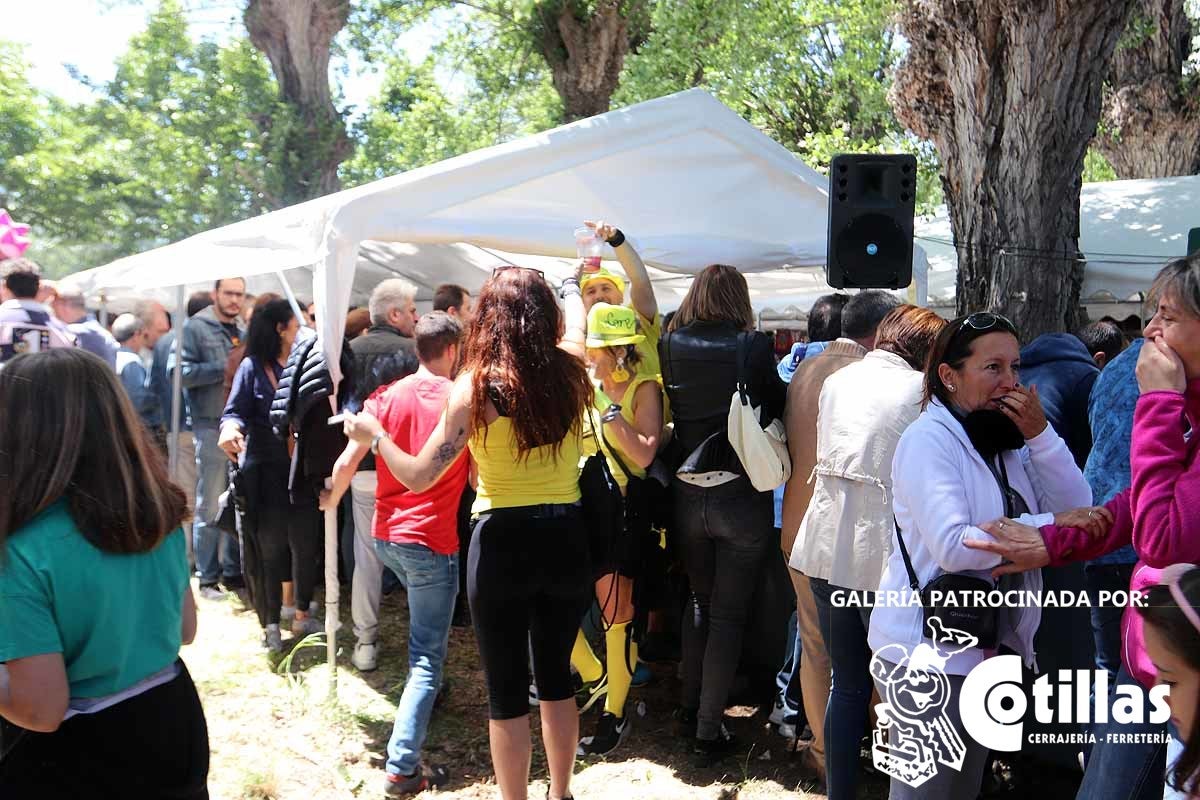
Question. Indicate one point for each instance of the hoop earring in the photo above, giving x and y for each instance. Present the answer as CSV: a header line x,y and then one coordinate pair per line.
x,y
620,374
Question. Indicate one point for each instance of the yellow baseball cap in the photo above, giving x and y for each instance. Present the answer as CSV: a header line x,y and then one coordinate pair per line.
x,y
603,274
609,326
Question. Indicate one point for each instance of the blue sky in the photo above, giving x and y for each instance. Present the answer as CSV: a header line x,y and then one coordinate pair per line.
x,y
90,34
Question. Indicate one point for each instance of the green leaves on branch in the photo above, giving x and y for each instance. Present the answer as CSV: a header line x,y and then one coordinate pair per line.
x,y
179,141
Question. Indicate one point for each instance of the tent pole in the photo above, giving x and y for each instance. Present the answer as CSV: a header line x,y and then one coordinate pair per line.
x,y
291,296
177,378
332,586
331,595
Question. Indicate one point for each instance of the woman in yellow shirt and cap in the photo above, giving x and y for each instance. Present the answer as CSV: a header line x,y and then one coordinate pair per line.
x,y
630,421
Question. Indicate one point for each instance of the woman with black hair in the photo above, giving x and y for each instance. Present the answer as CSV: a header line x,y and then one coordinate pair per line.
x,y
1171,615
980,449
95,600
281,539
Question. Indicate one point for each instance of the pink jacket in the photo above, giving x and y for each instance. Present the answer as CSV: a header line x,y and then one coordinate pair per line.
x,y
1159,513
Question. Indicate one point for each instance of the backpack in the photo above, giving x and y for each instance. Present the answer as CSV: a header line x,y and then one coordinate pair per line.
x,y
32,335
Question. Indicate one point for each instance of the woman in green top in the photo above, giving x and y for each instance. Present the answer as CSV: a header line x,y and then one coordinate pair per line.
x,y
630,415
94,594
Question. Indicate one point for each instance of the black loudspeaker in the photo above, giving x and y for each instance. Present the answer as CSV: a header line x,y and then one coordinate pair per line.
x,y
1193,241
871,203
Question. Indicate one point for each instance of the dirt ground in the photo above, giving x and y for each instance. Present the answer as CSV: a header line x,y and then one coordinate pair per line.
x,y
275,735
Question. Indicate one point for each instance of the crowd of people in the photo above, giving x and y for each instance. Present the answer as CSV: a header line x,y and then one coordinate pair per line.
x,y
557,460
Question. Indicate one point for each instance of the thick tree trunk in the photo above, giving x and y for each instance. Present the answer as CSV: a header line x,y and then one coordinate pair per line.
x,y
296,36
1009,91
586,57
1151,124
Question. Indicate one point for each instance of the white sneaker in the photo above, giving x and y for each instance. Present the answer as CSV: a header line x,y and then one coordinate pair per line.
x,y
287,612
272,640
365,657
214,593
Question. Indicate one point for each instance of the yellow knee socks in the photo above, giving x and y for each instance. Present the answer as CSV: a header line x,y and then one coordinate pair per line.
x,y
619,675
584,660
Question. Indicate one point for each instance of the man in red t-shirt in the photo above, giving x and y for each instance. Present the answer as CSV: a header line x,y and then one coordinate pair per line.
x,y
416,535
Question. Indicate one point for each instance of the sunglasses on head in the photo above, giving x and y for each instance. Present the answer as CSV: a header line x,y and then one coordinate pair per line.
x,y
498,270
986,320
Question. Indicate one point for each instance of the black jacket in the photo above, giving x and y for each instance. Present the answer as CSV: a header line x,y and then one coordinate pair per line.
x,y
700,372
381,355
301,408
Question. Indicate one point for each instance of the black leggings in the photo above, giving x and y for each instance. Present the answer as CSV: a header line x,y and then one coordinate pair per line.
x,y
282,541
528,580
152,745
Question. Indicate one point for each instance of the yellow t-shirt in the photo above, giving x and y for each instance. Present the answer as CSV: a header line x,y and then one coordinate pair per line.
x,y
628,410
648,349
509,481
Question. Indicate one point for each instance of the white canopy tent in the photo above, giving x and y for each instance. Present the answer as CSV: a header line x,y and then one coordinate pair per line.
x,y
1127,231
690,181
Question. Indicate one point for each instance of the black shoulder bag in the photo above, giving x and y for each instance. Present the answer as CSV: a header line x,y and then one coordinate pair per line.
x,y
978,620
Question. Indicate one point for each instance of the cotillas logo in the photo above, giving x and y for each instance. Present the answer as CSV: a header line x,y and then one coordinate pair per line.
x,y
914,733
993,702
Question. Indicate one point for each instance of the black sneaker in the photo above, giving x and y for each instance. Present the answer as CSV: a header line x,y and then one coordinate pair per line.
x,y
590,692
426,777
610,731
233,583
706,752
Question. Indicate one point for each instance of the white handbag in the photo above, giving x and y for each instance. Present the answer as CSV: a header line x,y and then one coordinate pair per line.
x,y
762,451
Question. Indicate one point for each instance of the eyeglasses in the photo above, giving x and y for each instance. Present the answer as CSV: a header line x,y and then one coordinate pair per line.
x,y
498,270
986,320
1170,578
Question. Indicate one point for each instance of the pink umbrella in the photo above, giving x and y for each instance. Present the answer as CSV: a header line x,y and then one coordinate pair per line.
x,y
14,236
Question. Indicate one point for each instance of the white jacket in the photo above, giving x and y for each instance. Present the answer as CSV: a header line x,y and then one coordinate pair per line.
x,y
942,491
846,535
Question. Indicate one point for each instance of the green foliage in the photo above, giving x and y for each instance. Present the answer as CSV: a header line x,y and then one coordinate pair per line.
x,y
482,84
174,144
812,74
1096,168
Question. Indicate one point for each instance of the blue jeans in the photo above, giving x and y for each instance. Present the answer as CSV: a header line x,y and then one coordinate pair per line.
x,y
787,680
1124,770
216,552
432,581
1106,620
844,630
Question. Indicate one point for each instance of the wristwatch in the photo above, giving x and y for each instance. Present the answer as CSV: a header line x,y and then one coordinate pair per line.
x,y
376,440
611,413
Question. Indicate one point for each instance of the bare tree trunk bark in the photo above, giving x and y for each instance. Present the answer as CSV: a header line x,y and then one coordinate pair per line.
x,y
1151,123
586,57
1009,91
297,36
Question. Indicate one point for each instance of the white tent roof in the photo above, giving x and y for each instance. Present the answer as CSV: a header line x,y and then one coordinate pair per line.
x,y
1127,231
689,180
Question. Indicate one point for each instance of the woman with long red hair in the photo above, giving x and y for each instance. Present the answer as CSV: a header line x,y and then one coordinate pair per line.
x,y
518,405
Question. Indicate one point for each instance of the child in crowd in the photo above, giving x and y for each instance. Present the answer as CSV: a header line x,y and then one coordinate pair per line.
x,y
1172,619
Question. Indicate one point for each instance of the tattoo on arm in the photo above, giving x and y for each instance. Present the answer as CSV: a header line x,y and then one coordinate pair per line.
x,y
446,452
